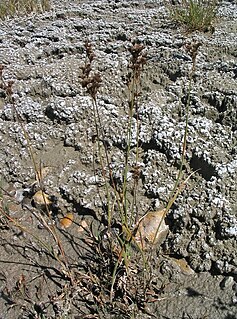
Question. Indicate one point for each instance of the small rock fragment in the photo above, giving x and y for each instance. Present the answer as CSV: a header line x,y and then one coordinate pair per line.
x,y
66,221
227,283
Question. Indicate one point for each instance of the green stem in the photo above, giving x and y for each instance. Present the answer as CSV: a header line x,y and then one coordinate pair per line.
x,y
128,150
175,191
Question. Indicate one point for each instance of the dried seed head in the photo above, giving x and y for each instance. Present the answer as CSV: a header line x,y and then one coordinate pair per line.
x,y
192,49
89,51
138,60
138,55
8,88
1,70
136,172
91,82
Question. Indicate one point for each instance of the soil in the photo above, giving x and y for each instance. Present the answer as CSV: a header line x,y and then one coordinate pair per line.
x,y
52,267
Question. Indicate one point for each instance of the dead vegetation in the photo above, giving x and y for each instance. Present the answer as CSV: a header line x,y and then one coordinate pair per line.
x,y
10,8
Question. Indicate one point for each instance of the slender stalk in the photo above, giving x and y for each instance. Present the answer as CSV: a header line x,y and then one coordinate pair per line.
x,y
98,128
137,61
193,50
128,149
180,173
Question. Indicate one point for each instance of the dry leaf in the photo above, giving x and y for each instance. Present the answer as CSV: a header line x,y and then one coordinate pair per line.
x,y
66,221
151,229
41,199
82,226
182,265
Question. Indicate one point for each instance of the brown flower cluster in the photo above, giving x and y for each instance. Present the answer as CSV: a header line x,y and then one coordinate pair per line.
x,y
138,59
89,80
6,87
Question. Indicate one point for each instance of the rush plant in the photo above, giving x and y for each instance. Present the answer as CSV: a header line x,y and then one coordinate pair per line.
x,y
110,273
125,214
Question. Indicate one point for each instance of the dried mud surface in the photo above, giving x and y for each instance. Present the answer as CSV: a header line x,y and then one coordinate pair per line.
x,y
43,55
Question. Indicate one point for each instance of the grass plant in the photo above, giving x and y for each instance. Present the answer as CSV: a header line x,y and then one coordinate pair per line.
x,y
9,8
113,258
194,14
126,207
91,82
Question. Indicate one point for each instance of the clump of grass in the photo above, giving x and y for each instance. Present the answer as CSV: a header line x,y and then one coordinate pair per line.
x,y
117,195
195,14
9,8
113,277
120,251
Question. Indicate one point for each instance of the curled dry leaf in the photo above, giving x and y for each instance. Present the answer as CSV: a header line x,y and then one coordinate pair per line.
x,y
67,220
182,266
151,229
41,199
